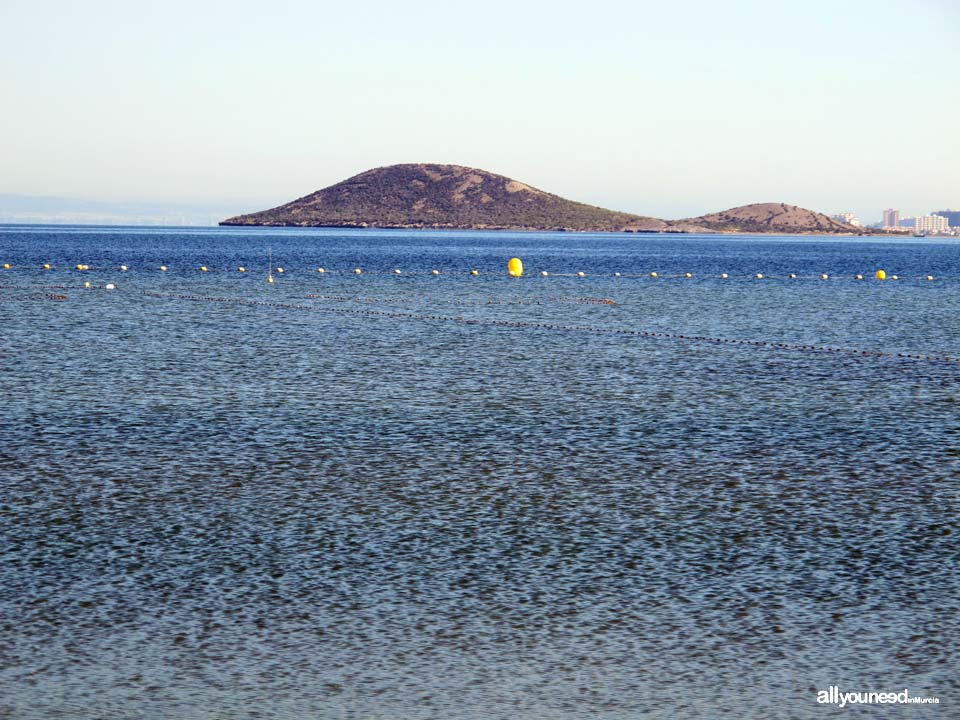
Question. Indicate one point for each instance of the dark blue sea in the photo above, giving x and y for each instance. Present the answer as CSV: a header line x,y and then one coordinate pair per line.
x,y
452,496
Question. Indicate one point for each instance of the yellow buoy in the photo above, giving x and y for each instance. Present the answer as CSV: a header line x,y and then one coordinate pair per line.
x,y
474,272
321,271
880,275
241,269
46,266
270,279
86,284
203,268
653,275
515,267
6,266
357,271
79,267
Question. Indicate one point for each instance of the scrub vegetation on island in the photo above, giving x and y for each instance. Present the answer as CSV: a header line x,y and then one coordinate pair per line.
x,y
457,197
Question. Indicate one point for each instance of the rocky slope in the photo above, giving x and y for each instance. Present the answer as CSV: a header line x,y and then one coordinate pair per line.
x,y
771,218
443,196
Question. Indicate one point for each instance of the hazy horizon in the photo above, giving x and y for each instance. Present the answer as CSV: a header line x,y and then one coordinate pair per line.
x,y
664,111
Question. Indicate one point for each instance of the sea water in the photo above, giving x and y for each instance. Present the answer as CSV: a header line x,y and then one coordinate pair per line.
x,y
337,498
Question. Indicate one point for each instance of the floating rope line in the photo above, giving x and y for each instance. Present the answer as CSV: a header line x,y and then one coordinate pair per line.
x,y
457,301
56,297
40,287
652,276
557,326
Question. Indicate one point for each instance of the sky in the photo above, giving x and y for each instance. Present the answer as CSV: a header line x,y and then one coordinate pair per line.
x,y
669,109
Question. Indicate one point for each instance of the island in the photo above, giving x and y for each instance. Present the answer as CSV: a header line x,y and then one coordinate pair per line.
x,y
435,196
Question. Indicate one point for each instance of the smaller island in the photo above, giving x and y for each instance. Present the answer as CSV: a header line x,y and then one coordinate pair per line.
x,y
772,218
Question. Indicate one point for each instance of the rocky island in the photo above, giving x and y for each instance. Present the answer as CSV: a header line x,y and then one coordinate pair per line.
x,y
772,218
431,196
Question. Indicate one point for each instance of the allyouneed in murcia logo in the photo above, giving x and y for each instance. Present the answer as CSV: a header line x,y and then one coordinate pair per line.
x,y
834,696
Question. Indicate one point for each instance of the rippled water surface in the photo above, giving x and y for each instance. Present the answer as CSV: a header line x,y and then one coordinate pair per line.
x,y
456,496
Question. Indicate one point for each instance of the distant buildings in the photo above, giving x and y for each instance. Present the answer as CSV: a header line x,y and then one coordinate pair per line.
x,y
952,216
849,218
940,222
931,224
891,219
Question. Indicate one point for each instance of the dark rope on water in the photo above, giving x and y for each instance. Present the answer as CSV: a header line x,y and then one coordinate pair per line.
x,y
383,314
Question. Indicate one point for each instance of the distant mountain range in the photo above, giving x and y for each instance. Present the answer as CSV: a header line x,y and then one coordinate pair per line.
x,y
39,209
457,197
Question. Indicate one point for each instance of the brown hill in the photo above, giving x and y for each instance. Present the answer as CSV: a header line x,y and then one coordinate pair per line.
x,y
772,218
443,196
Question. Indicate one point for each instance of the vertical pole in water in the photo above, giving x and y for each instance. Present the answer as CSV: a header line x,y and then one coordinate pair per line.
x,y
270,269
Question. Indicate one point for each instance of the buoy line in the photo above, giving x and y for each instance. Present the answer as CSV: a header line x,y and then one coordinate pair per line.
x,y
457,301
514,269
40,287
392,315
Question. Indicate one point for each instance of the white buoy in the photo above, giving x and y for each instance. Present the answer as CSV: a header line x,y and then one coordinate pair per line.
x,y
616,274
688,275
858,276
824,276
110,286
723,276
580,274
544,273
759,276
434,272
653,275
396,271
123,268
280,270
929,277
163,268
321,271
241,269
357,271
792,276
474,272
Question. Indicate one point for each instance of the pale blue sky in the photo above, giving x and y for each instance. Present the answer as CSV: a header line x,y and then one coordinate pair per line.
x,y
662,108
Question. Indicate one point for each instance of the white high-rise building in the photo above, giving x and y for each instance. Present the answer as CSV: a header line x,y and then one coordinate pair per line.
x,y
891,218
849,218
931,224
